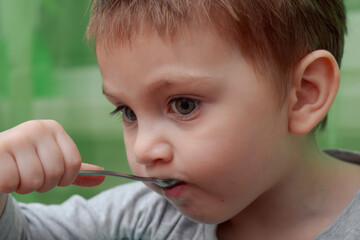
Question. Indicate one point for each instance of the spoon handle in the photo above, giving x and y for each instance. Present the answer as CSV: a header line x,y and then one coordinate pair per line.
x,y
160,182
116,174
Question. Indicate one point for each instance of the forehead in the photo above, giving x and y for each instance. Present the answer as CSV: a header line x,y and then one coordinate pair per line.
x,y
201,52
202,45
198,60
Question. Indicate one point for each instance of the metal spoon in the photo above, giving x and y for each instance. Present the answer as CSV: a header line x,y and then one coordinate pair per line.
x,y
160,182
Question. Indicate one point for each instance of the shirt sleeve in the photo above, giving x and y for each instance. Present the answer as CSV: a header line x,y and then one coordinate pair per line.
x,y
130,211
9,221
70,220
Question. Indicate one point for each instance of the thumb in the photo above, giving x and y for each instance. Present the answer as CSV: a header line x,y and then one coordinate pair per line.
x,y
89,181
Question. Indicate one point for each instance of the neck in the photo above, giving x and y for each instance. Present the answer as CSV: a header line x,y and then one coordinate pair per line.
x,y
304,202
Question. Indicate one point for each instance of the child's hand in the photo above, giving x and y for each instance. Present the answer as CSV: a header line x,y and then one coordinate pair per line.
x,y
39,155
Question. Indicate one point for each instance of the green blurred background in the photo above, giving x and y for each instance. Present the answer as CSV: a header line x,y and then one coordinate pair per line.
x,y
47,71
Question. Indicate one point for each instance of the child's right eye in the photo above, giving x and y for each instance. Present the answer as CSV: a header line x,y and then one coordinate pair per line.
x,y
127,113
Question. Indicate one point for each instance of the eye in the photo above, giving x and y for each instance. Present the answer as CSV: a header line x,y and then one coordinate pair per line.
x,y
127,113
184,106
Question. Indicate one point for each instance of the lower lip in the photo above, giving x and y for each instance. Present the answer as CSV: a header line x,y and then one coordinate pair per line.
x,y
175,191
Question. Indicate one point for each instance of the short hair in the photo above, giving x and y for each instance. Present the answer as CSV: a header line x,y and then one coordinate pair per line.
x,y
274,34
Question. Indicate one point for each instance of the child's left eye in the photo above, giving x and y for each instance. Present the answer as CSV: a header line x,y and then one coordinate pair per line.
x,y
184,106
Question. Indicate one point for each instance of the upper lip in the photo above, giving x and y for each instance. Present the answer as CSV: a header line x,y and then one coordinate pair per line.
x,y
162,177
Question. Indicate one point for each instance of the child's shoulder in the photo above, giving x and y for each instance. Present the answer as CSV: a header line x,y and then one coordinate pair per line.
x,y
347,223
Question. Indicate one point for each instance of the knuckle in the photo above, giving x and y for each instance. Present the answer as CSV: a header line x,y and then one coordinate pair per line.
x,y
23,191
56,173
54,176
20,140
24,133
74,163
43,190
33,126
8,187
53,124
39,127
10,141
9,183
33,184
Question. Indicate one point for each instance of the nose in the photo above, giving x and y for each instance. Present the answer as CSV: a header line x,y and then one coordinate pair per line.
x,y
152,147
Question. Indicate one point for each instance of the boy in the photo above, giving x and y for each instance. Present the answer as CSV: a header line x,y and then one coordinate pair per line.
x,y
222,95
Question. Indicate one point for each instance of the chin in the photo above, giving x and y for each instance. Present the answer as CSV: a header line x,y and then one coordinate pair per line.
x,y
205,215
204,218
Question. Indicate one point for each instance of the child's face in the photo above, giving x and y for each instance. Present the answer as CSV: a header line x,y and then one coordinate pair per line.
x,y
197,111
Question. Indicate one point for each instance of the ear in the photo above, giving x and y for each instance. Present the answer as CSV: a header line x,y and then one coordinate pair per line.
x,y
315,84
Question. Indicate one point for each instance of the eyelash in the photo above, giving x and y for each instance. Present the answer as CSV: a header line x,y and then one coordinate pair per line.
x,y
120,110
117,111
184,117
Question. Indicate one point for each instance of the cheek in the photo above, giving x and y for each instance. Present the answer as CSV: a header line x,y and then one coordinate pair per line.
x,y
213,157
227,155
133,164
129,146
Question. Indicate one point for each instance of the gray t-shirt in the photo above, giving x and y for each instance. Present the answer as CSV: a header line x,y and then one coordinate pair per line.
x,y
132,211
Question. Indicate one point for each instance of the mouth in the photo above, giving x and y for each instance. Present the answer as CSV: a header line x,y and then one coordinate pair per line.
x,y
173,184
174,190
164,182
168,183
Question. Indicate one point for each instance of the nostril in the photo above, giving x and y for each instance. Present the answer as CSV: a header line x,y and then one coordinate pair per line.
x,y
144,162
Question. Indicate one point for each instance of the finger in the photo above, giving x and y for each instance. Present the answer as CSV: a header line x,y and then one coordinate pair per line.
x,y
29,168
71,156
52,161
89,181
9,175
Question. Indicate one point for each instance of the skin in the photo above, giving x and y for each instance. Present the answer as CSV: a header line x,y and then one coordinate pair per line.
x,y
241,155
249,164
37,156
158,143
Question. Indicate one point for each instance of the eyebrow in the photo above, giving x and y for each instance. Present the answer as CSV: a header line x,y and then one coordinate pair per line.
x,y
178,81
170,83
